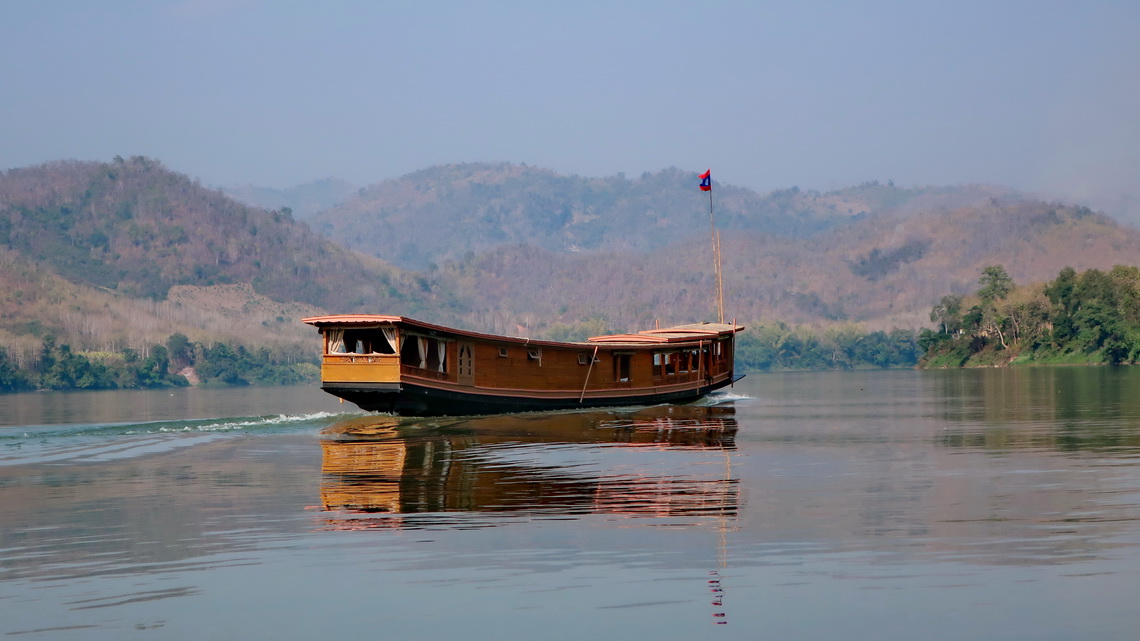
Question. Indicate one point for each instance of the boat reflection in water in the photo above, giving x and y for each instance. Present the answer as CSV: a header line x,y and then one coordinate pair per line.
x,y
662,461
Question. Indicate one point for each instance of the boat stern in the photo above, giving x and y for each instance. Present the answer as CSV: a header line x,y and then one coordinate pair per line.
x,y
360,359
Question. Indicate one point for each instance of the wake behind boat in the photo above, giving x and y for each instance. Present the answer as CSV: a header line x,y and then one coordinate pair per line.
x,y
409,367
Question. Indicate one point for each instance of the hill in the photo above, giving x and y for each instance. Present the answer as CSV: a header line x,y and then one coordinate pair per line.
x,y
36,303
109,253
447,212
123,254
137,228
532,251
881,271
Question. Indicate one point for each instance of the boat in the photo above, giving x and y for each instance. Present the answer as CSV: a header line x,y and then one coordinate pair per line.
x,y
403,366
409,367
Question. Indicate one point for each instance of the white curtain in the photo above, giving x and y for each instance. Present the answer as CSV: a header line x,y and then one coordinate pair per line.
x,y
421,344
336,341
441,349
390,335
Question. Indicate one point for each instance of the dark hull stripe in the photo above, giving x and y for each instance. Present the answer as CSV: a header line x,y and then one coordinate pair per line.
x,y
410,399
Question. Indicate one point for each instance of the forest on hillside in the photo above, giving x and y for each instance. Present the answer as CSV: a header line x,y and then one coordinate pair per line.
x,y
111,259
114,257
177,363
135,227
777,347
453,212
881,272
1087,317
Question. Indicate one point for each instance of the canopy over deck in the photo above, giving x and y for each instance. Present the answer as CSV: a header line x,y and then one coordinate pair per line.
x,y
676,334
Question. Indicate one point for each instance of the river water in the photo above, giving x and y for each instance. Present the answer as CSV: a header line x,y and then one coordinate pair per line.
x,y
900,505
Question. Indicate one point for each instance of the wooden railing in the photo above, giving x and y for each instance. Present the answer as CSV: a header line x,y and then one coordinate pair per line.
x,y
423,372
681,377
357,358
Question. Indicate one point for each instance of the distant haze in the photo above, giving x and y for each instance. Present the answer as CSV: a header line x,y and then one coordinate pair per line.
x,y
1037,96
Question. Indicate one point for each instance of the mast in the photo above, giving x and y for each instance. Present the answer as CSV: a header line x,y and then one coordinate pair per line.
x,y
718,271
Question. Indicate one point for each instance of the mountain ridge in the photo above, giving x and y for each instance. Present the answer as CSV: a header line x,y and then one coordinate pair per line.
x,y
106,243
108,234
444,212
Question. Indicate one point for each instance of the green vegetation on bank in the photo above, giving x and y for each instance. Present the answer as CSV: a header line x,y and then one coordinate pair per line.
x,y
1087,318
762,347
780,347
60,368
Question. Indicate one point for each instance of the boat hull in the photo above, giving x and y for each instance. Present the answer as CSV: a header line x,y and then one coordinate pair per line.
x,y
411,399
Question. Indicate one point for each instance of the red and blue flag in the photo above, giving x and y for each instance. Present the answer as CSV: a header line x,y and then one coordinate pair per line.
x,y
706,180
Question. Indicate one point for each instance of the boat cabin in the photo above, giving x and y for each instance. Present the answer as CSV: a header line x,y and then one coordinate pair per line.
x,y
392,363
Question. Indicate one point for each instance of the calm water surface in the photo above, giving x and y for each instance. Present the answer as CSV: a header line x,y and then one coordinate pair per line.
x,y
871,505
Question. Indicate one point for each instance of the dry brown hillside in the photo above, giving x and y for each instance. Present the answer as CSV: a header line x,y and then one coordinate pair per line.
x,y
883,272
137,228
107,255
448,212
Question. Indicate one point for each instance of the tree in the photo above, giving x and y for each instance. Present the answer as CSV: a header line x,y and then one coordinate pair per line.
x,y
996,284
154,371
1028,312
11,378
180,350
948,314
1060,293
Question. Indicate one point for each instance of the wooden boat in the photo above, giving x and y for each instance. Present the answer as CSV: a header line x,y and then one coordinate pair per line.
x,y
409,367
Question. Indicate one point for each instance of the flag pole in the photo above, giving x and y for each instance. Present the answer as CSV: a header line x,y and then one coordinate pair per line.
x,y
719,281
717,270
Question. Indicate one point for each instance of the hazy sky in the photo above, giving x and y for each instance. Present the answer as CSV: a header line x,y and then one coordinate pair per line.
x,y
768,94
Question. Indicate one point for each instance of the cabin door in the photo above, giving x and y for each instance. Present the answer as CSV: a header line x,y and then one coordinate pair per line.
x,y
465,366
621,368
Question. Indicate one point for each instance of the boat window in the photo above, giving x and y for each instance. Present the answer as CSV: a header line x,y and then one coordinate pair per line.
x,y
335,341
534,354
466,366
363,341
424,352
670,364
391,338
502,352
409,351
621,368
583,359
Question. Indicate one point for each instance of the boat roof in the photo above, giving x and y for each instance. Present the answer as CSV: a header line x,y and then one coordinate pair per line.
x,y
694,332
675,334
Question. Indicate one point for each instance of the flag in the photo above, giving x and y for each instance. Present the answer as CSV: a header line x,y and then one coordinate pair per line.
x,y
706,180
